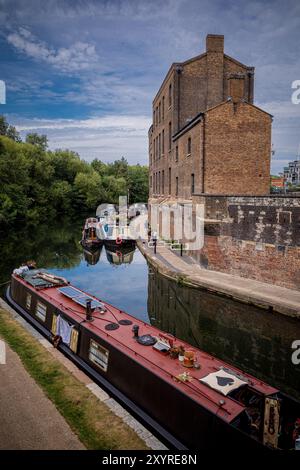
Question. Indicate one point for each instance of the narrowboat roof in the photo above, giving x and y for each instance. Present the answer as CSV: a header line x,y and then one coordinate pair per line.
x,y
157,363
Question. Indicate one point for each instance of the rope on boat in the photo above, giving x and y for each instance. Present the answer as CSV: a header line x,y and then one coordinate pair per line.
x,y
4,283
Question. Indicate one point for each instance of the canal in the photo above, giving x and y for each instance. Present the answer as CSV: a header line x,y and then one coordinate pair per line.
x,y
253,339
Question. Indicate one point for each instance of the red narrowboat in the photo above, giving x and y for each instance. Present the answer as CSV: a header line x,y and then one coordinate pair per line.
x,y
187,397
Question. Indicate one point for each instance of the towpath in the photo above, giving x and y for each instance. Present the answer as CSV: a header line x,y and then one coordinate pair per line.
x,y
29,420
189,272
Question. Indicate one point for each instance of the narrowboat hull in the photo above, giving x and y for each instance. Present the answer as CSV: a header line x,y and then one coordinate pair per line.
x,y
91,245
175,417
125,244
205,431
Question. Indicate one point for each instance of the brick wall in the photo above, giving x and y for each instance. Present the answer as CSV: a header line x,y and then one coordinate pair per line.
x,y
196,84
237,149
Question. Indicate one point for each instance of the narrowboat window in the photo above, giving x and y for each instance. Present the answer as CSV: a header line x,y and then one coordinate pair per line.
x,y
74,340
98,355
41,311
28,301
54,323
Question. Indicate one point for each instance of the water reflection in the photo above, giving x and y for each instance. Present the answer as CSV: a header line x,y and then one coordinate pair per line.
x,y
255,340
92,256
52,245
120,255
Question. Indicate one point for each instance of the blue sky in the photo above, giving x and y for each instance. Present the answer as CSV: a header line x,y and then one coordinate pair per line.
x,y
85,72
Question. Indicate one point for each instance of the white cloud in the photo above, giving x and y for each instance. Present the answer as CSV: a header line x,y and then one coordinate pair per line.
x,y
78,57
107,138
282,109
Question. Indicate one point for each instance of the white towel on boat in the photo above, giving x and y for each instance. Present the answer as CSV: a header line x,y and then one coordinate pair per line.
x,y
64,330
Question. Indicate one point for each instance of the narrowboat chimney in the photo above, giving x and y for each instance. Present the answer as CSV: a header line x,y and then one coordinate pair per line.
x,y
89,310
135,330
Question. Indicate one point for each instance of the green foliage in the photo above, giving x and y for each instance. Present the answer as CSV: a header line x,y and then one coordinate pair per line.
x,y
8,131
36,183
36,139
119,178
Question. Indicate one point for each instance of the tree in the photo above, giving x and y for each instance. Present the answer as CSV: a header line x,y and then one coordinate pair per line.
x,y
14,201
40,141
9,131
119,168
138,183
88,190
99,166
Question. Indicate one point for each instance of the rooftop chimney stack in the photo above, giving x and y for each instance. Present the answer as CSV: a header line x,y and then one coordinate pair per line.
x,y
236,87
215,43
215,69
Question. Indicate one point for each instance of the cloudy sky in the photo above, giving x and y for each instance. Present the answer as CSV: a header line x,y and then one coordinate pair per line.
x,y
85,71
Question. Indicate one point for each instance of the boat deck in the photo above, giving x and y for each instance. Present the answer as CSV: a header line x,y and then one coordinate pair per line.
x,y
158,363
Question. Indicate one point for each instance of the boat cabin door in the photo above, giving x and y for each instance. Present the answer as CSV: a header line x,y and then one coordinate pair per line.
x,y
271,422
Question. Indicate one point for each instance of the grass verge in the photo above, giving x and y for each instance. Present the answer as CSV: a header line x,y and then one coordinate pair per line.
x,y
93,422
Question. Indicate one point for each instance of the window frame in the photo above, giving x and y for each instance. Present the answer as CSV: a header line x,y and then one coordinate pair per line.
x,y
39,311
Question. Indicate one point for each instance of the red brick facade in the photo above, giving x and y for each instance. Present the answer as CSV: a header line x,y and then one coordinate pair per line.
x,y
207,137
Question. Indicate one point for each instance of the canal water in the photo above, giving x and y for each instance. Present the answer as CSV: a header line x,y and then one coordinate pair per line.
x,y
253,339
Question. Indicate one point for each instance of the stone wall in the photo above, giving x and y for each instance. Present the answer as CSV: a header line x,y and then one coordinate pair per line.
x,y
253,237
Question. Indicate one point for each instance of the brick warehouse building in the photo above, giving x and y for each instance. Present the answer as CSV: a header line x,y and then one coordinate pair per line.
x,y
207,137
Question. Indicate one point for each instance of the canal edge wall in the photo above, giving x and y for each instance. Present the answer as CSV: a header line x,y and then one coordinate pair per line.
x,y
266,296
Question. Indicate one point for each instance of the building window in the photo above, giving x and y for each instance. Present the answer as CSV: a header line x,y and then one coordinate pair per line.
x,y
163,182
159,112
28,301
151,183
170,182
170,95
153,117
98,355
163,108
192,183
41,311
163,142
176,154
189,146
170,135
159,182
176,185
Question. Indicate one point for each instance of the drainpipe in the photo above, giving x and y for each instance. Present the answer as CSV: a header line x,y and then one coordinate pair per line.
x,y
178,72
203,156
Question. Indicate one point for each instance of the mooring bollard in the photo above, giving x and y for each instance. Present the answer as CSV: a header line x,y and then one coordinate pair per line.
x,y
154,245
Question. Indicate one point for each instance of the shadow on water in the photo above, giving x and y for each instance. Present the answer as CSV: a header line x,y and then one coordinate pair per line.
x,y
253,339
51,245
